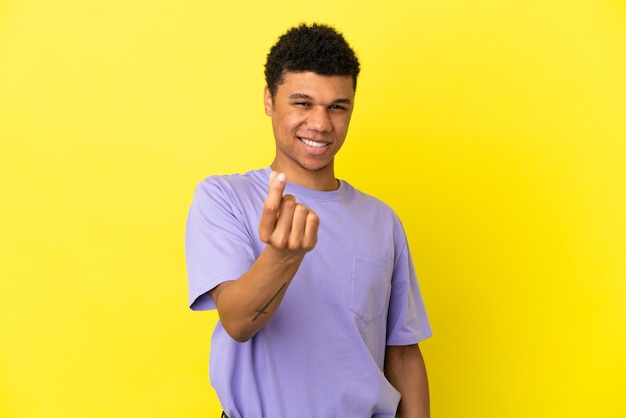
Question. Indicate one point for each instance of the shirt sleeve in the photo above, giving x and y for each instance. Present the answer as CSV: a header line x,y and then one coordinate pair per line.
x,y
407,321
217,242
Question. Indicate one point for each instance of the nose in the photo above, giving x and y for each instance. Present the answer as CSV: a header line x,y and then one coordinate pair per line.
x,y
319,120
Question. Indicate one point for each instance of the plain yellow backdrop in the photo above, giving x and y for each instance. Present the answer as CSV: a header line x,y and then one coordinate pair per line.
x,y
496,129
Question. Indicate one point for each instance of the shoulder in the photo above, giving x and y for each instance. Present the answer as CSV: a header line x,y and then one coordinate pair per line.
x,y
232,185
379,214
369,201
233,194
226,181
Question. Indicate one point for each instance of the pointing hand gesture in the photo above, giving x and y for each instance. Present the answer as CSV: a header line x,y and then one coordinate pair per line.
x,y
286,224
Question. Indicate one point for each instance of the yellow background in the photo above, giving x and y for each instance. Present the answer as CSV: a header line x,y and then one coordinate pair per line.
x,y
496,129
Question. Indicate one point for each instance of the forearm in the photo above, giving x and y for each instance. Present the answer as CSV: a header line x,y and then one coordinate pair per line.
x,y
248,303
406,371
289,229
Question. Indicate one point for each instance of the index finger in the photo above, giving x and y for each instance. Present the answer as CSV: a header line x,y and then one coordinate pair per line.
x,y
271,206
276,188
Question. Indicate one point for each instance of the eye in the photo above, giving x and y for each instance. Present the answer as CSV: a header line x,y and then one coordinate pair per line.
x,y
302,104
337,107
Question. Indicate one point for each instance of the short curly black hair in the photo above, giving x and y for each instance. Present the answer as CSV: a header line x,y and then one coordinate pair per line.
x,y
317,48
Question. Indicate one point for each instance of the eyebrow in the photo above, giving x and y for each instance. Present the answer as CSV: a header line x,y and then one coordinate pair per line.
x,y
296,96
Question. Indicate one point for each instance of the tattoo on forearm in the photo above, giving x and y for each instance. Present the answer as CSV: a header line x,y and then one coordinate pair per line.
x,y
263,311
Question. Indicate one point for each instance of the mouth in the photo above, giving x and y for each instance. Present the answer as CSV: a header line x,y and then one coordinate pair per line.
x,y
313,144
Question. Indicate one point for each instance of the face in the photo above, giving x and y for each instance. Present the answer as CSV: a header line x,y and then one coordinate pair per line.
x,y
310,117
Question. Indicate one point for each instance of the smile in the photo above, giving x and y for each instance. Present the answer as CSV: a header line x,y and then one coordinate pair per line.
x,y
313,144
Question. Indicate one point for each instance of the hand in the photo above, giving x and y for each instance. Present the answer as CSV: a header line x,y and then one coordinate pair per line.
x,y
285,224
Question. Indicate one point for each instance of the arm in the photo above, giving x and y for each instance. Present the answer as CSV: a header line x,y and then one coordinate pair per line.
x,y
289,229
405,370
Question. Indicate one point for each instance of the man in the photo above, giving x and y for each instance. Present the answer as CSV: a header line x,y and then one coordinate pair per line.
x,y
320,310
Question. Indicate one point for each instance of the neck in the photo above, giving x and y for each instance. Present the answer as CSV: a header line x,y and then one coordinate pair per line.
x,y
323,179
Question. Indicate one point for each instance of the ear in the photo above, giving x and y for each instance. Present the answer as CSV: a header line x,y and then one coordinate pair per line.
x,y
267,101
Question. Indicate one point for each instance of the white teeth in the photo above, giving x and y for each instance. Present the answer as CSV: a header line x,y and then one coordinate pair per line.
x,y
313,143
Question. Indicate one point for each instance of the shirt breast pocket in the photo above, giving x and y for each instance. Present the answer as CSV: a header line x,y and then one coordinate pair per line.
x,y
370,286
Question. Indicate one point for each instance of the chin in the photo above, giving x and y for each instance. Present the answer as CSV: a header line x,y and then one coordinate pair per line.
x,y
315,166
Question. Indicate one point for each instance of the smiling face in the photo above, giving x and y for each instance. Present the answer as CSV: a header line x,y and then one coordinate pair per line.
x,y
310,117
